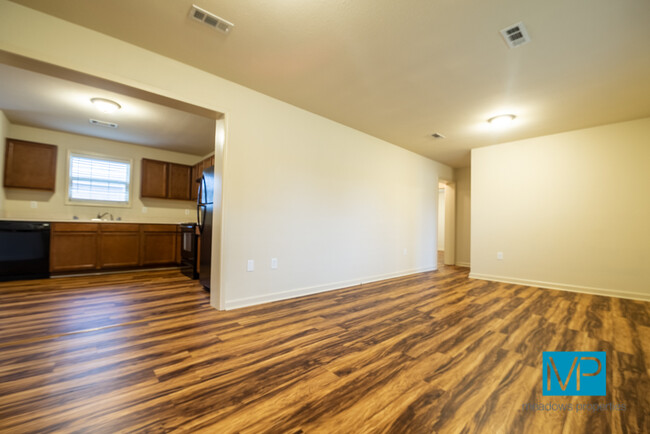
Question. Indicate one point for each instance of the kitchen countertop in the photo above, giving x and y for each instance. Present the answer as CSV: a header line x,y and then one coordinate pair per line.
x,y
142,222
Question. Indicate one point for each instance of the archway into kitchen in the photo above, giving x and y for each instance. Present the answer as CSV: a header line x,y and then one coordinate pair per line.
x,y
145,104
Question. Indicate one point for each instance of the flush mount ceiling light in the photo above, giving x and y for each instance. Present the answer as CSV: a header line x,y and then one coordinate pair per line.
x,y
501,120
105,105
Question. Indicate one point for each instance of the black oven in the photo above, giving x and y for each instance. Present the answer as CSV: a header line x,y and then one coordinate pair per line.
x,y
189,250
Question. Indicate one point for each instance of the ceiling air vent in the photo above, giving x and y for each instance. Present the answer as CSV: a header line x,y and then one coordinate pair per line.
x,y
102,123
515,35
198,14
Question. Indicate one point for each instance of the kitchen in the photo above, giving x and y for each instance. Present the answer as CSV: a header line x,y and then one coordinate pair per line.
x,y
101,178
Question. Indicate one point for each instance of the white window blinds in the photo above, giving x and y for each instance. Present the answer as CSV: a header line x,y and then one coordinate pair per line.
x,y
98,179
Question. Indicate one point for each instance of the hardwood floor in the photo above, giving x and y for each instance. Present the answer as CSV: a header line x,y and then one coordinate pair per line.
x,y
432,352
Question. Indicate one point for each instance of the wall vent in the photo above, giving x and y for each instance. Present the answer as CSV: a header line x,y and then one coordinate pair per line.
x,y
102,123
217,23
515,35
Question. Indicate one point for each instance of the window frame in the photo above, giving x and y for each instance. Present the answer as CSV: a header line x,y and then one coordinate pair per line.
x,y
90,202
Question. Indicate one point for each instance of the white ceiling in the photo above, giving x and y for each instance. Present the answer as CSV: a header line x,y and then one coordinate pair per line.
x,y
38,100
401,70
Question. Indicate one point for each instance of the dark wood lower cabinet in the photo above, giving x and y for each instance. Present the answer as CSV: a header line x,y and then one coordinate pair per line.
x,y
119,245
89,246
74,247
159,244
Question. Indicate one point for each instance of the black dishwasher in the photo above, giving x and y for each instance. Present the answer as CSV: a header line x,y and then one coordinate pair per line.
x,y
24,250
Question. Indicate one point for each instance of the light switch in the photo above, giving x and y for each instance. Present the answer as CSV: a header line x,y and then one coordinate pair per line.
x,y
274,263
500,256
251,265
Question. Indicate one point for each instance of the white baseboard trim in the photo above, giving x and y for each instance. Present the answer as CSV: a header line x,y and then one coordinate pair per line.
x,y
563,287
293,293
379,277
463,264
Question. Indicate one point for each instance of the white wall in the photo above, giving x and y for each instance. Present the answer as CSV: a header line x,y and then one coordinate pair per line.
x,y
4,127
334,205
52,205
463,216
568,211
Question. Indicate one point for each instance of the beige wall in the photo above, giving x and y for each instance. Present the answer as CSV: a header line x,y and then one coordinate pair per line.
x,y
568,211
335,206
463,214
18,203
4,127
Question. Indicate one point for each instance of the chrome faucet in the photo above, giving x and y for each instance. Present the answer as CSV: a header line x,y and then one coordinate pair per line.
x,y
100,216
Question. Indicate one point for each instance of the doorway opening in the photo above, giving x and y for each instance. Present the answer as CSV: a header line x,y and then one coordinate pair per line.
x,y
446,218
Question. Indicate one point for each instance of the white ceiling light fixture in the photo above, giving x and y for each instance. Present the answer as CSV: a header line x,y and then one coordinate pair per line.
x,y
105,105
502,120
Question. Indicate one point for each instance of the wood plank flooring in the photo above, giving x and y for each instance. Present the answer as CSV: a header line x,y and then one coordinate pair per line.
x,y
432,352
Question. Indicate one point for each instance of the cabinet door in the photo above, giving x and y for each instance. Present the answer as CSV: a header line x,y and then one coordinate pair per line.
x,y
73,247
158,244
30,165
194,186
179,181
154,178
207,163
119,245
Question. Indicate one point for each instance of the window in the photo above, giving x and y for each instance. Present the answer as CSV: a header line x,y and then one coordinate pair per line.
x,y
98,179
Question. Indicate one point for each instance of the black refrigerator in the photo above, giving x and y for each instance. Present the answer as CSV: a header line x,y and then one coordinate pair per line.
x,y
204,209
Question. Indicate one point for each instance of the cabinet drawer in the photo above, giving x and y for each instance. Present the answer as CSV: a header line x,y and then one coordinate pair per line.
x,y
75,227
119,227
159,228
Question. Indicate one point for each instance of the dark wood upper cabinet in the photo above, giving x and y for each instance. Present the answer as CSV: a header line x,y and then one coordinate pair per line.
x,y
194,185
30,165
164,180
154,176
205,164
179,181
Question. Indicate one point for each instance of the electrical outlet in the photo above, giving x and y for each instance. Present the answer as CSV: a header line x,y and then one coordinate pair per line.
x,y
144,210
500,256
406,251
187,212
251,265
274,263
33,204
